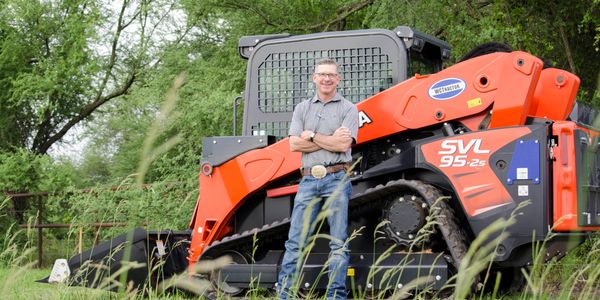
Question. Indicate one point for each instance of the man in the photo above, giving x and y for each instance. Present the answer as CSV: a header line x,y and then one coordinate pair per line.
x,y
323,129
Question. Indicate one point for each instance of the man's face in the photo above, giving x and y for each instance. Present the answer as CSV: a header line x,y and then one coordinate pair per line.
x,y
326,78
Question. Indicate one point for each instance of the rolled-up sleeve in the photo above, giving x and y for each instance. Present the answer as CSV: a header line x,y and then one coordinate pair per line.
x,y
351,121
297,124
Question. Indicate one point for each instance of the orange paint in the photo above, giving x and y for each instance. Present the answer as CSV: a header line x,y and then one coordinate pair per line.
x,y
476,185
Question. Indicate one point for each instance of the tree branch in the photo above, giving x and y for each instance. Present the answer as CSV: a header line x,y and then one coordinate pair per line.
x,y
85,112
568,52
342,14
113,52
45,127
44,144
563,37
262,15
177,41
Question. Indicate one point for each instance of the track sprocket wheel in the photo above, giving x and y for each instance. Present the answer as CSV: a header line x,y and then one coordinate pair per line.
x,y
405,215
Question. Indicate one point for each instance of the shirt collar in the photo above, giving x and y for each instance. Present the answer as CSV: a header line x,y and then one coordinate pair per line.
x,y
337,97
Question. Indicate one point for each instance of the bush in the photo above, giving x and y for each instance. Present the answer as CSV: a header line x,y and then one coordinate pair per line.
x,y
162,205
23,171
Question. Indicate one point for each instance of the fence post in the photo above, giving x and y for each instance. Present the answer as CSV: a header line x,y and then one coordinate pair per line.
x,y
40,205
95,234
80,239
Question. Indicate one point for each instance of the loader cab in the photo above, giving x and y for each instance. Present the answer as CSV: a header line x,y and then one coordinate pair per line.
x,y
280,67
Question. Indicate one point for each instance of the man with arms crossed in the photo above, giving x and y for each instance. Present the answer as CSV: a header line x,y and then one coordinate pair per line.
x,y
323,129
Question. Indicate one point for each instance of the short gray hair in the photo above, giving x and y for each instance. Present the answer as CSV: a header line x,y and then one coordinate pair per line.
x,y
326,61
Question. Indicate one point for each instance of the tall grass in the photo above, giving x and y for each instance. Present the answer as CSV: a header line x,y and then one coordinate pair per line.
x,y
576,277
475,268
542,282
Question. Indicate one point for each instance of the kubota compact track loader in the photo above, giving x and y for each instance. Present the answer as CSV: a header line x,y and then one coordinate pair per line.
x,y
466,145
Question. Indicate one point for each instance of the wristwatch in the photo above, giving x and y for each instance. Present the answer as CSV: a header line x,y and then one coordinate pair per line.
x,y
312,136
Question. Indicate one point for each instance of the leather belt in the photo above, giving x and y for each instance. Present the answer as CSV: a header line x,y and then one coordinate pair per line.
x,y
319,171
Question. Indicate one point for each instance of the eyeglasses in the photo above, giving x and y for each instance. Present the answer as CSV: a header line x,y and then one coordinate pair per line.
x,y
328,75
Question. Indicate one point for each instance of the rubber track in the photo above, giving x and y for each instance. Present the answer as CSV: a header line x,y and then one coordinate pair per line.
x,y
454,237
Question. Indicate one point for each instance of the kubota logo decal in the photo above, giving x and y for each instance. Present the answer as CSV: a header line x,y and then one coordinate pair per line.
x,y
448,88
450,149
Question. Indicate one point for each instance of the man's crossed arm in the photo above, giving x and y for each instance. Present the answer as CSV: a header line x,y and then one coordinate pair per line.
x,y
339,141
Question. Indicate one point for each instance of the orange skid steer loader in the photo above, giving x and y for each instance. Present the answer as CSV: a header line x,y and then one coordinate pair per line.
x,y
467,145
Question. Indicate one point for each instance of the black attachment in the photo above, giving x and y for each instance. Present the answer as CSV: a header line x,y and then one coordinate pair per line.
x,y
583,114
157,254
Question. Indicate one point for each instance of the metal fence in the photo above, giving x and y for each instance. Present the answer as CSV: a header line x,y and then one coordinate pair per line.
x,y
37,199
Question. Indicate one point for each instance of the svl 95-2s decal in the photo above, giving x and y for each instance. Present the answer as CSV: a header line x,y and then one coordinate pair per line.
x,y
455,153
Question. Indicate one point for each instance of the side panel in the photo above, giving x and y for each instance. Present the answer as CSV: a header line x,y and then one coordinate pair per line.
x,y
466,161
576,198
494,173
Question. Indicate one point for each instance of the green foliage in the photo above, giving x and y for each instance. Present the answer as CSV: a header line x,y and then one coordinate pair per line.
x,y
62,60
216,74
151,150
204,108
51,66
22,171
565,33
267,16
164,205
14,244
46,65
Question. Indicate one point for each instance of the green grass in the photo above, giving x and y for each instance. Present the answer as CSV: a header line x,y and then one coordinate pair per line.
x,y
570,278
19,283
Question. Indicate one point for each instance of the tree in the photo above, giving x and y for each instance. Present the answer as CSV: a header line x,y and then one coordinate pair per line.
x,y
60,61
564,33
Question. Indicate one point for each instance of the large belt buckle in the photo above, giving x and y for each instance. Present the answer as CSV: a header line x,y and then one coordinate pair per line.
x,y
318,171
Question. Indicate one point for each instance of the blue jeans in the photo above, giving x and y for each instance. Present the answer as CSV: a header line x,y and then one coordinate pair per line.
x,y
313,196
